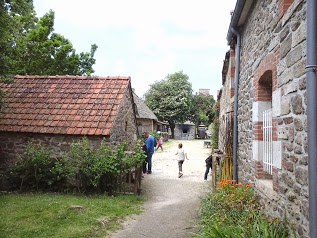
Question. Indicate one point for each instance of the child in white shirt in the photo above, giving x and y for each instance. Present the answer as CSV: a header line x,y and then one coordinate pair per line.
x,y
181,158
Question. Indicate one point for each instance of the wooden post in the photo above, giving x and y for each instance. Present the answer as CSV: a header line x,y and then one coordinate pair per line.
x,y
214,169
213,172
136,181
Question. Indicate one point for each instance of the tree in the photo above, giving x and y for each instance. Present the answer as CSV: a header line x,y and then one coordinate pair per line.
x,y
202,109
15,18
170,99
29,45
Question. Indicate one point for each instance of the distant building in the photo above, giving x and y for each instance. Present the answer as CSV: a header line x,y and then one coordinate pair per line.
x,y
146,119
184,131
204,91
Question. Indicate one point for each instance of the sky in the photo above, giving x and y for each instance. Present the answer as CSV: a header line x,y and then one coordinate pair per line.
x,y
146,39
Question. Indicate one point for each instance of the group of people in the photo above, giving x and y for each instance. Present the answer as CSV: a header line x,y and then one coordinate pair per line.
x,y
149,148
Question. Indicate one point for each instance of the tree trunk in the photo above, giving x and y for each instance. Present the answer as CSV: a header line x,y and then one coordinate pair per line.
x,y
172,126
196,127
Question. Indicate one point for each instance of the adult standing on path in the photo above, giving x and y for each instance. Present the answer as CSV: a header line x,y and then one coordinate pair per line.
x,y
172,204
149,150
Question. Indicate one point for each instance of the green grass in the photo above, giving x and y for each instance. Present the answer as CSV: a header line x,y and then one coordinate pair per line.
x,y
52,215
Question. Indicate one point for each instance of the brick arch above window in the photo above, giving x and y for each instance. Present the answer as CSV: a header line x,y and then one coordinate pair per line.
x,y
263,90
266,74
266,78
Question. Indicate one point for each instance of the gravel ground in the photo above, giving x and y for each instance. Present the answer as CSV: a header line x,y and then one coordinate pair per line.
x,y
172,203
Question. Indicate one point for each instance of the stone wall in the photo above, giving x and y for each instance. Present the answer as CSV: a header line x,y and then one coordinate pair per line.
x,y
226,100
13,144
273,42
181,128
124,128
145,125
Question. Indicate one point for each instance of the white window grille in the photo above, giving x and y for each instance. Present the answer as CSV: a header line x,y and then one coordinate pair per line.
x,y
267,141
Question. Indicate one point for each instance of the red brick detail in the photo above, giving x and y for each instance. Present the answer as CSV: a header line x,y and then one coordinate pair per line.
x,y
267,72
259,173
232,53
232,65
258,130
283,6
231,92
275,179
232,71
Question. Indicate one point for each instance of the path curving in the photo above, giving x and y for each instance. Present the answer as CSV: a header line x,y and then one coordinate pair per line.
x,y
172,204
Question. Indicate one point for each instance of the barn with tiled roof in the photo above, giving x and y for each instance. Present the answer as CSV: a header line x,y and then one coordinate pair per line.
x,y
54,110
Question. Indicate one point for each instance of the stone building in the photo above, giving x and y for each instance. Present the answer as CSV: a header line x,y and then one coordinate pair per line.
x,y
184,131
271,103
55,110
146,119
225,99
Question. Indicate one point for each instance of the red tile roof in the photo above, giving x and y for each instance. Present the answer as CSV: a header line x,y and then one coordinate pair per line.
x,y
82,105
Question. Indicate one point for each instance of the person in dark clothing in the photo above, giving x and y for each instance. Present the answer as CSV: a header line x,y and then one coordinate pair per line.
x,y
149,150
143,146
208,166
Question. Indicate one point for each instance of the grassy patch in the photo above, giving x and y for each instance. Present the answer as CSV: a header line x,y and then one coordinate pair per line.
x,y
53,215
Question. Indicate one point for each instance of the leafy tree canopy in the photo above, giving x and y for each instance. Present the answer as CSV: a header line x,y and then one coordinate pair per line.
x,y
202,110
30,46
170,99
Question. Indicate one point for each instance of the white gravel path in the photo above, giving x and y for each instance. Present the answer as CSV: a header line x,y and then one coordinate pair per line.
x,y
172,204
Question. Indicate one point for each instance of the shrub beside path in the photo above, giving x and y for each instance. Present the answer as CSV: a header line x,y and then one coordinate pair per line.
x,y
172,204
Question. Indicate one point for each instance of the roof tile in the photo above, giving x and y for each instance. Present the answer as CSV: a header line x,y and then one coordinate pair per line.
x,y
62,104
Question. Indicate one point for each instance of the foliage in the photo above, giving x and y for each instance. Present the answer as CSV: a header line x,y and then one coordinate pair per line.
x,y
52,216
29,45
215,125
83,168
232,211
171,98
155,135
88,169
201,111
33,166
214,134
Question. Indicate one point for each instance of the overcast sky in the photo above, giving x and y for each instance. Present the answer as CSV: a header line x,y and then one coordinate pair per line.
x,y
148,39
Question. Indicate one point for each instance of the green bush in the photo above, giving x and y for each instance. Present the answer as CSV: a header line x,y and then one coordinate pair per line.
x,y
232,211
82,169
88,169
33,167
214,134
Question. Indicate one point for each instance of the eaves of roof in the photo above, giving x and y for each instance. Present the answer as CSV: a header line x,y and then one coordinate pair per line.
x,y
238,17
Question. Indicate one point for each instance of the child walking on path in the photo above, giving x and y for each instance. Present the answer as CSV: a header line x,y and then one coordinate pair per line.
x,y
181,158
160,143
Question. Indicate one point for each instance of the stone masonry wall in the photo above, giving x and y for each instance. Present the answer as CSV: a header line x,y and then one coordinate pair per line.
x,y
12,144
179,135
271,30
145,124
124,127
226,101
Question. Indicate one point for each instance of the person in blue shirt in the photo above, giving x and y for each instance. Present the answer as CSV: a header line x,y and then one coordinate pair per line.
x,y
149,150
